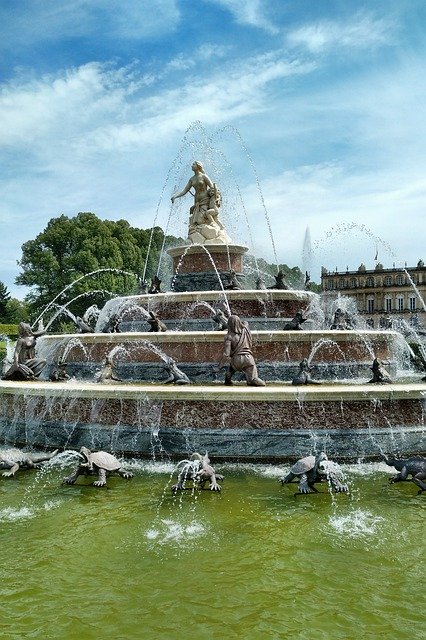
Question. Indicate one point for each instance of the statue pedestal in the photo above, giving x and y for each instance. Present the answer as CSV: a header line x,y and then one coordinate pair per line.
x,y
204,267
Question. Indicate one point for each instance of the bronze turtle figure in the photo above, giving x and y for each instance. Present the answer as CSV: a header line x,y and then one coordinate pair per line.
x,y
100,463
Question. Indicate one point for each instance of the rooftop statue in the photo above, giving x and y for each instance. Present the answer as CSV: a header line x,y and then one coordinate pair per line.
x,y
238,354
204,224
25,365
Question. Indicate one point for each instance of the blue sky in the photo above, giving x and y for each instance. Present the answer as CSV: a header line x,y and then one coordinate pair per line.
x,y
310,114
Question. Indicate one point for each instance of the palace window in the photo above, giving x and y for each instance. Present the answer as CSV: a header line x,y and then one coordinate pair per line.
x,y
387,281
353,283
388,304
399,279
412,303
400,301
341,283
370,281
370,304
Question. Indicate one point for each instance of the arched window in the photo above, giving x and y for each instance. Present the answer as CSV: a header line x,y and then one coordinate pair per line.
x,y
387,281
370,281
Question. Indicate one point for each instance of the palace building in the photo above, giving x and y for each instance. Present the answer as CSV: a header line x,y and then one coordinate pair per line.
x,y
384,297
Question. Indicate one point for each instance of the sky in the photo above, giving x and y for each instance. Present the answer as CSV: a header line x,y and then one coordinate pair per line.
x,y
310,116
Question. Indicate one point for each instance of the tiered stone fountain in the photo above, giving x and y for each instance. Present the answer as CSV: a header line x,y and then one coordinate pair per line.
x,y
139,415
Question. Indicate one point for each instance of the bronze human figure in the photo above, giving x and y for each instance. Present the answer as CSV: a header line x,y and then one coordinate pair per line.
x,y
25,365
237,353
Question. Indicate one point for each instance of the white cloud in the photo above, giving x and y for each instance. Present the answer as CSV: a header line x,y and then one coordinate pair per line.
x,y
363,31
249,12
38,21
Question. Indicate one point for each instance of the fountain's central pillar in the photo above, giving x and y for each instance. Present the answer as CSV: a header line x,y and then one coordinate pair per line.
x,y
198,267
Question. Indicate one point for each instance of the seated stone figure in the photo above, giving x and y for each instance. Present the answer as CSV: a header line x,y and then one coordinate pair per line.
x,y
25,365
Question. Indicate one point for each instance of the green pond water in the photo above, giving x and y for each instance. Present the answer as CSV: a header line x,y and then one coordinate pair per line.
x,y
255,562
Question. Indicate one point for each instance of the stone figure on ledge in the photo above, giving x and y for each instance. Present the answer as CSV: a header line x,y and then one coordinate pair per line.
x,y
314,469
107,372
199,471
232,281
155,324
204,224
221,319
155,285
280,283
303,376
25,365
82,326
296,323
59,373
113,324
237,353
307,281
414,467
176,375
260,284
342,321
380,375
98,463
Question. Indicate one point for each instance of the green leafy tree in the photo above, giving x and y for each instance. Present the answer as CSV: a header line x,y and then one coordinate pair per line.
x,y
4,299
16,311
101,257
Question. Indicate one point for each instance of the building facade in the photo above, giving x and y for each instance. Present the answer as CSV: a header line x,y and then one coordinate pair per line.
x,y
385,297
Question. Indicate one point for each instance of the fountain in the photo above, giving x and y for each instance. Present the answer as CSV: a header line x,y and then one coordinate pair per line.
x,y
250,560
121,411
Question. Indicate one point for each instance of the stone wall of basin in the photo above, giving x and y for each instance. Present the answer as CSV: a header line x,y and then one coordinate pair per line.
x,y
199,304
338,354
237,423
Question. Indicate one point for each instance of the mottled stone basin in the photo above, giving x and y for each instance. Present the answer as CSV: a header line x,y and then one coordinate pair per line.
x,y
237,423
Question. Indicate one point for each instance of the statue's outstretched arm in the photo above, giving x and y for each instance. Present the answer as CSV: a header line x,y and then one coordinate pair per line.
x,y
183,192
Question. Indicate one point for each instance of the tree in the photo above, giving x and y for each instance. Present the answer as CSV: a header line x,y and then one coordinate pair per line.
x,y
101,257
4,299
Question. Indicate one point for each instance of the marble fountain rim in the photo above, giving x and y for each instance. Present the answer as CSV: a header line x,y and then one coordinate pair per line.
x,y
258,336
215,393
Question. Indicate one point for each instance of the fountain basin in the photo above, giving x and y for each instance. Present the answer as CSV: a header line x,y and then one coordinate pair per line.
x,y
138,355
237,423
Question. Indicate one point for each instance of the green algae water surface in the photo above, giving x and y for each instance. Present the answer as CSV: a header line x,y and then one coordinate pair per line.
x,y
135,562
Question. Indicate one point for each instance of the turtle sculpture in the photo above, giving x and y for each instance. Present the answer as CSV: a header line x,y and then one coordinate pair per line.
x,y
199,470
13,459
414,467
313,469
100,463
